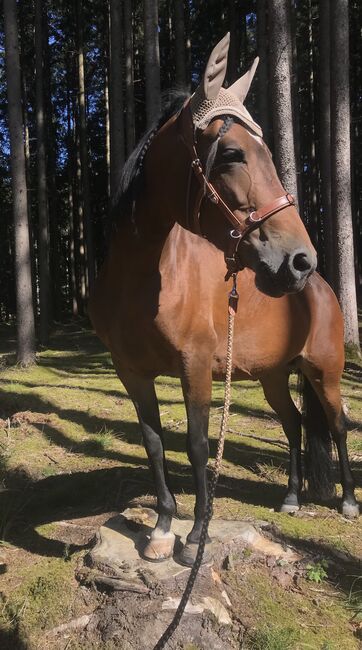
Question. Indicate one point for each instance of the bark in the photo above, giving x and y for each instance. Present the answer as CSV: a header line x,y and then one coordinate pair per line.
x,y
71,207
24,100
128,47
54,202
152,61
295,85
80,251
43,216
281,96
107,134
345,284
24,295
116,94
84,158
325,135
313,221
234,48
180,45
263,85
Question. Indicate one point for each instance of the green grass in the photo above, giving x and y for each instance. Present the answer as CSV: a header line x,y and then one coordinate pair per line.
x,y
72,448
273,638
277,619
42,597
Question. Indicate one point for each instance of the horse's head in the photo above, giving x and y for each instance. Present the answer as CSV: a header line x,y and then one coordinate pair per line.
x,y
240,205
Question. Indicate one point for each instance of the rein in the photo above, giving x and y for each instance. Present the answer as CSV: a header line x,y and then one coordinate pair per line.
x,y
232,307
240,229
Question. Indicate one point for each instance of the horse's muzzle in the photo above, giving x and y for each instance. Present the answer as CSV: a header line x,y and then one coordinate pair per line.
x,y
289,277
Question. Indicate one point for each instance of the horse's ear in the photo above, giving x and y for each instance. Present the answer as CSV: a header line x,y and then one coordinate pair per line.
x,y
216,68
241,87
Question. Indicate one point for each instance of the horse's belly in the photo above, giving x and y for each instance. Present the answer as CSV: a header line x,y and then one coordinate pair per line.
x,y
269,338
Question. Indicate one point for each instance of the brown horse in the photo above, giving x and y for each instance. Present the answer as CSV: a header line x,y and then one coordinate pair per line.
x,y
200,184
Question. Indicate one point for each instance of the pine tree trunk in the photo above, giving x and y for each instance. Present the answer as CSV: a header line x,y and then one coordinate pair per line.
x,y
24,101
313,222
80,252
281,96
54,202
24,297
71,208
116,94
128,53
345,283
84,158
180,45
263,81
325,135
295,84
152,61
43,217
107,134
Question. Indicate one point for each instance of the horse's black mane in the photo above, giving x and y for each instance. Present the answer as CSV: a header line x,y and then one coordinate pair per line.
x,y
131,180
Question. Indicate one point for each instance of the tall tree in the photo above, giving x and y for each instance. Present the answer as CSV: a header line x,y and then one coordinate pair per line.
x,y
152,60
43,218
71,211
83,143
280,78
341,171
128,55
24,297
116,94
263,85
325,134
180,44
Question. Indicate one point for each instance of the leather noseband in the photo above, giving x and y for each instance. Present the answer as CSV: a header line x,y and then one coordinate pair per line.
x,y
240,229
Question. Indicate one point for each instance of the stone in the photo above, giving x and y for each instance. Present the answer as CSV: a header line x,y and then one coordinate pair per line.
x,y
122,539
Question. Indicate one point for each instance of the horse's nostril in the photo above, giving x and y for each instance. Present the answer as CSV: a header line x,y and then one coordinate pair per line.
x,y
301,262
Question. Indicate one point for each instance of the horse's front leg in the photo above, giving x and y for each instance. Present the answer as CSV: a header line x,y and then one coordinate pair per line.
x,y
196,385
143,394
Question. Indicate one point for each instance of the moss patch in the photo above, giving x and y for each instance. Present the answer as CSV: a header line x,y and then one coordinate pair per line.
x,y
44,596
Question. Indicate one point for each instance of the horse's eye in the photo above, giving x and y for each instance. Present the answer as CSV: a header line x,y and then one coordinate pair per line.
x,y
232,155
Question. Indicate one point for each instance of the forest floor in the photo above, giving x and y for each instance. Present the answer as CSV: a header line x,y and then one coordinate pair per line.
x,y
71,456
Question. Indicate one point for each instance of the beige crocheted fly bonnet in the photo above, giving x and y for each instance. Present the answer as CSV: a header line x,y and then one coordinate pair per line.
x,y
211,100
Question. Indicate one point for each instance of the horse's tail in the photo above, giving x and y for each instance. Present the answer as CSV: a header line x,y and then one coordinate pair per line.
x,y
318,463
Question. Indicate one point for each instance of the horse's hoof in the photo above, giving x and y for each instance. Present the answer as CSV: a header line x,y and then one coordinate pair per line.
x,y
289,507
290,503
350,510
160,546
188,554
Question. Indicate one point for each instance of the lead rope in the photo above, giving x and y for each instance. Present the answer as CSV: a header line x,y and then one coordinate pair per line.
x,y
233,301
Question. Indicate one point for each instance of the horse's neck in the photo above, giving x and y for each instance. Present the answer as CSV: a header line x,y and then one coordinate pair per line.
x,y
137,246
160,205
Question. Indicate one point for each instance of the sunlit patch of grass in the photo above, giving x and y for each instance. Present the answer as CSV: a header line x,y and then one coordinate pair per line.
x,y
277,619
272,473
38,601
273,638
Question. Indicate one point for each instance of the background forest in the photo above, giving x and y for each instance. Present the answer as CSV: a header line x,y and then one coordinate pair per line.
x,y
81,81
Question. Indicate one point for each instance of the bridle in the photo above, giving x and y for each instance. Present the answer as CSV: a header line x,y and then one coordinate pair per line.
x,y
240,229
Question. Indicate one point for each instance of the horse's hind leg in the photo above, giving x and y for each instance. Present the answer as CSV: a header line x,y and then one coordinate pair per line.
x,y
143,394
276,391
326,386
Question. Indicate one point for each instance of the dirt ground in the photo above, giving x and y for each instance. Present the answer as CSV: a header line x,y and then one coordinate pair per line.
x,y
71,457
